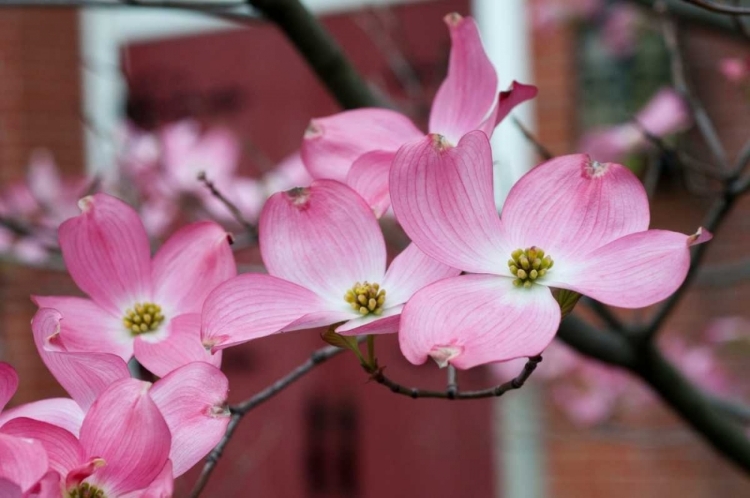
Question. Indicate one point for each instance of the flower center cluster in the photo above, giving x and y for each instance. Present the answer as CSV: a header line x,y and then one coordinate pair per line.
x,y
527,265
85,490
142,318
366,298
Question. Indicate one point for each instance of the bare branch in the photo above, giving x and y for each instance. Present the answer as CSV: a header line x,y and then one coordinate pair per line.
x,y
702,120
543,151
720,8
241,409
251,229
452,392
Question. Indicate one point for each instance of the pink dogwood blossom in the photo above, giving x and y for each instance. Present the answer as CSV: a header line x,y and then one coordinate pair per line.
x,y
357,146
326,262
191,398
571,223
136,305
666,113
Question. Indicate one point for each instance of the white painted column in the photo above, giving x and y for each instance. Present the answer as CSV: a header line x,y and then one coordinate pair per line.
x,y
518,433
506,37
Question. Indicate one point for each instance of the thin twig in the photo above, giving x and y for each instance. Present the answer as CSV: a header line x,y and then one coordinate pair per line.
x,y
251,229
452,387
543,151
702,120
720,8
417,393
241,409
605,313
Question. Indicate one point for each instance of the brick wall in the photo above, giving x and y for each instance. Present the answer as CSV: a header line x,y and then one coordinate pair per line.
x,y
40,105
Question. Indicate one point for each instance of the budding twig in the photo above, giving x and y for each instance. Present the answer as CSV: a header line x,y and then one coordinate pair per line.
x,y
236,213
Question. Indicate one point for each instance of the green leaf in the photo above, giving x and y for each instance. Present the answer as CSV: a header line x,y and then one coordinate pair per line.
x,y
343,342
567,299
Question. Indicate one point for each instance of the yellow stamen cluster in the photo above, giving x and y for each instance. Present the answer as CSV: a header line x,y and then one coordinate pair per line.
x,y
142,318
85,490
366,298
528,265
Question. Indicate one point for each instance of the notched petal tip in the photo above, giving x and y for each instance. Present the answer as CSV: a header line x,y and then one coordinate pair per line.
x,y
313,130
299,197
453,19
219,411
699,237
439,142
444,354
85,204
595,169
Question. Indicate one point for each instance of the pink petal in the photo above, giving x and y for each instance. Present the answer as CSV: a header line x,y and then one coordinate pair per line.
x,y
516,94
631,272
191,264
23,461
63,449
9,489
289,173
161,487
125,428
252,305
87,327
667,112
475,319
369,178
107,252
387,323
193,400
442,196
333,143
62,412
49,486
83,375
181,346
324,238
571,205
8,383
44,179
410,271
469,91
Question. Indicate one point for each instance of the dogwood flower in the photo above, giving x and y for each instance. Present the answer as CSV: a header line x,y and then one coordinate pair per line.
x,y
192,398
326,262
137,306
571,223
357,146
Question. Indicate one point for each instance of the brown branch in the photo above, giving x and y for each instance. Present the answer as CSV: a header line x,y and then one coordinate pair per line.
x,y
543,151
720,8
251,229
241,409
321,51
452,391
700,116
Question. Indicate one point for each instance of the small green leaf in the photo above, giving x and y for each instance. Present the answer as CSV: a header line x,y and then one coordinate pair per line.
x,y
343,342
567,299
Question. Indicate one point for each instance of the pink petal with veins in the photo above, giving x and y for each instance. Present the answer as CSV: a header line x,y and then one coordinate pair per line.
x,y
323,237
193,400
107,253
83,375
469,92
125,428
190,264
471,320
333,143
442,196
